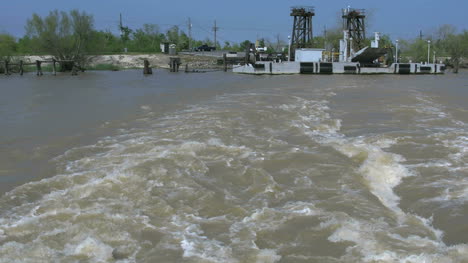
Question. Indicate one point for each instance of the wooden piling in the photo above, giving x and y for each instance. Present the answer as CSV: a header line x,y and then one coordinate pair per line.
x,y
186,68
7,68
74,70
147,70
225,62
53,67
21,69
39,68
21,64
174,63
247,54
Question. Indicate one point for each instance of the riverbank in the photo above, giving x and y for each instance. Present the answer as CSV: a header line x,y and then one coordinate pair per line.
x,y
135,61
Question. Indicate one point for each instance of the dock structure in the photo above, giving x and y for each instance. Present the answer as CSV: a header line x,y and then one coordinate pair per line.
x,y
272,68
353,56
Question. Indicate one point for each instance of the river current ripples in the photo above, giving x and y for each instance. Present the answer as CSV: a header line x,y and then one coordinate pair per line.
x,y
286,169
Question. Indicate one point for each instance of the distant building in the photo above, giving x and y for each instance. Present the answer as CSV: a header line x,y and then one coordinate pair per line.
x,y
164,47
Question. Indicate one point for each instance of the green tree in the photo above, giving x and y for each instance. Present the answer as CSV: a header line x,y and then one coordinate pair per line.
x,y
7,49
385,41
227,45
235,47
261,42
332,40
319,42
27,46
457,48
173,35
8,46
414,50
243,45
102,42
208,42
183,43
147,39
63,35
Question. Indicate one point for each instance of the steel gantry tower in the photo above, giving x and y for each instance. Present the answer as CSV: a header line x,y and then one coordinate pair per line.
x,y
302,28
353,22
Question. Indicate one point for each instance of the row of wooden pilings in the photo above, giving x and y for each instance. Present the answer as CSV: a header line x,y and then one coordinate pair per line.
x,y
175,62
174,65
38,64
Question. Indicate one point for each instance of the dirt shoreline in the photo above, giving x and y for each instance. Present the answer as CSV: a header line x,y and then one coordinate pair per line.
x,y
129,61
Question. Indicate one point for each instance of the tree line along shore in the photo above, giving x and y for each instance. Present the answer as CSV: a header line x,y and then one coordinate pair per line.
x,y
71,36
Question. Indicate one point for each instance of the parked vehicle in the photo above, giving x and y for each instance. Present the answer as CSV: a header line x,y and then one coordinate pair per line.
x,y
205,47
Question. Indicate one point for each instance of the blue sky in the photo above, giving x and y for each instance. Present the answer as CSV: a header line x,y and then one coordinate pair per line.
x,y
240,20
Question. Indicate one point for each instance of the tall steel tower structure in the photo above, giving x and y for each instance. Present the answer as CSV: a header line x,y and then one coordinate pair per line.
x,y
353,22
302,28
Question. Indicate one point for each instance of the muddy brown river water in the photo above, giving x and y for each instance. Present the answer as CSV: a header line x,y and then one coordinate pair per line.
x,y
218,167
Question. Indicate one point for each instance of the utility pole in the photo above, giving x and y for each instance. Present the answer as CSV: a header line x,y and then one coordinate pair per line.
x,y
396,51
190,33
215,29
325,36
277,42
428,50
122,33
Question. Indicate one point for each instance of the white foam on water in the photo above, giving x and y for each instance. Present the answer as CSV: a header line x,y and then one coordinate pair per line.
x,y
267,256
79,201
460,146
367,239
154,179
198,246
382,172
145,107
15,252
455,191
195,244
451,136
90,248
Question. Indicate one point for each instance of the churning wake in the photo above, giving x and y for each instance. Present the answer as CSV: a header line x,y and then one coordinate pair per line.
x,y
250,177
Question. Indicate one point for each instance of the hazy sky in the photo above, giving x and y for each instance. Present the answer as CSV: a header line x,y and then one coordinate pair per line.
x,y
240,20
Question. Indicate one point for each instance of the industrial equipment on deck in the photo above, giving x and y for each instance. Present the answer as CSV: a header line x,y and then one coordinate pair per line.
x,y
353,57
